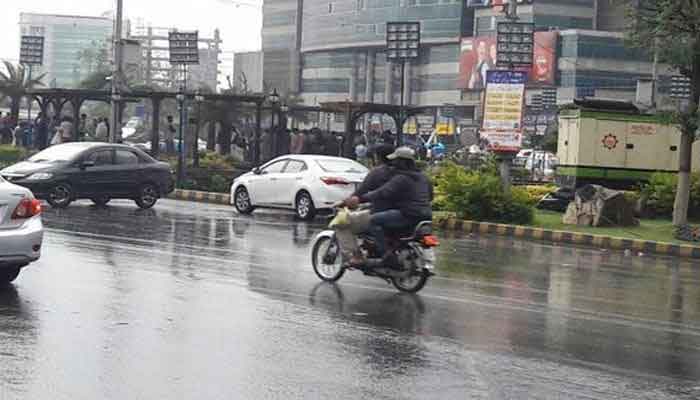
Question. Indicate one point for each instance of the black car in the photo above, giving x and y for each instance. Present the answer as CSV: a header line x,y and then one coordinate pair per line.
x,y
96,171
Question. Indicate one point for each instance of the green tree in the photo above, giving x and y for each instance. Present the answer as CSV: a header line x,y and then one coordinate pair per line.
x,y
674,25
15,82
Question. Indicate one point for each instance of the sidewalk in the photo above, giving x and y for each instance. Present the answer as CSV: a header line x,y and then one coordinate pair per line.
x,y
520,232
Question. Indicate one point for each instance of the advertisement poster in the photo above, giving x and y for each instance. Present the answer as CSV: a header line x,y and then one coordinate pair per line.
x,y
502,126
478,56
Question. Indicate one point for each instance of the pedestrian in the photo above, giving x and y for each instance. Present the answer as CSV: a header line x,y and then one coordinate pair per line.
x,y
101,131
54,127
41,137
361,152
170,136
19,135
83,128
66,130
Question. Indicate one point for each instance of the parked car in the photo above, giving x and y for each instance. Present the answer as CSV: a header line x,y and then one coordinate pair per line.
x,y
303,183
96,171
21,230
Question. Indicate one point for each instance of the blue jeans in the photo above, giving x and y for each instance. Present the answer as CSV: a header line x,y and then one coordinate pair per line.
x,y
381,221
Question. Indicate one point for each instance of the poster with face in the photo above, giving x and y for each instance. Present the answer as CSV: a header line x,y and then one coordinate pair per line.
x,y
478,56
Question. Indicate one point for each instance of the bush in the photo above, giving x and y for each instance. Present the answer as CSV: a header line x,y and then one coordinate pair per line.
x,y
535,193
216,161
479,196
10,154
660,194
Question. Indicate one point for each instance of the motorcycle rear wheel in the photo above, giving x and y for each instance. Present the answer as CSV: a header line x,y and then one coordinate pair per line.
x,y
327,272
411,284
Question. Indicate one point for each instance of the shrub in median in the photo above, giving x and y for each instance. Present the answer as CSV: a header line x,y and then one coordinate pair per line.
x,y
479,196
10,155
660,194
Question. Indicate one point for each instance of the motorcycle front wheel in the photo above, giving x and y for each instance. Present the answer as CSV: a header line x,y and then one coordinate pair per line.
x,y
327,259
411,284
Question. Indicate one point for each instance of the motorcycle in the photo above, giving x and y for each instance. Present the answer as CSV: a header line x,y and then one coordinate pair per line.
x,y
408,267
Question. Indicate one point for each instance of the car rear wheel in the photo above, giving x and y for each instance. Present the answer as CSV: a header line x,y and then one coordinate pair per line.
x,y
304,206
241,199
148,196
101,201
60,196
9,274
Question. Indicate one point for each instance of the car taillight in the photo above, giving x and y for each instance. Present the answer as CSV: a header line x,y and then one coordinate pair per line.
x,y
430,241
335,181
27,208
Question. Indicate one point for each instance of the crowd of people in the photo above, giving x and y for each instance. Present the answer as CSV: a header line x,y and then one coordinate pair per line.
x,y
44,131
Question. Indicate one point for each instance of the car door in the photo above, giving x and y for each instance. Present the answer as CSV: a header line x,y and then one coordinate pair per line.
x,y
288,181
127,172
263,190
95,178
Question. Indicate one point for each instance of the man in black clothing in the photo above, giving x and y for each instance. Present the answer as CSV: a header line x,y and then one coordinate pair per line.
x,y
378,176
408,196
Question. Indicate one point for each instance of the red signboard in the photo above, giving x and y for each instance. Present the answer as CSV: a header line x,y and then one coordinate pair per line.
x,y
478,56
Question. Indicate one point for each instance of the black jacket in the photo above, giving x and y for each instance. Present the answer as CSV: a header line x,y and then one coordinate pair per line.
x,y
373,181
408,191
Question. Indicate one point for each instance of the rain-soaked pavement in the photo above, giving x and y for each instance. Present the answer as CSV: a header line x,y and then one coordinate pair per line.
x,y
189,301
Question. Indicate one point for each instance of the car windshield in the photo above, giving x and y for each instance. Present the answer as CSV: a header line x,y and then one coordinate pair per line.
x,y
58,153
337,166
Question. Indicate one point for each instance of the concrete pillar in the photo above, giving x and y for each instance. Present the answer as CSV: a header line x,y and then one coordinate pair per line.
x,y
388,80
369,85
353,78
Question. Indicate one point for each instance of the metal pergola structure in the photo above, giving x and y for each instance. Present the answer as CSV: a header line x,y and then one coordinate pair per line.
x,y
58,98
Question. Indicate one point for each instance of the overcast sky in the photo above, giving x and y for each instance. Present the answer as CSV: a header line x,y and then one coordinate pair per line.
x,y
240,26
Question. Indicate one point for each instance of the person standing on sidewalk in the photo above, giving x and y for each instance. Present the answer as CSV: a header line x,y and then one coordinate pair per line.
x,y
170,136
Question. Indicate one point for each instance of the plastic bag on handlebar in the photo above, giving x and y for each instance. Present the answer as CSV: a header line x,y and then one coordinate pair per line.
x,y
341,219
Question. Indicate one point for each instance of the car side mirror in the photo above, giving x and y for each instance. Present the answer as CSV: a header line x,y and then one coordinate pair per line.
x,y
87,164
257,171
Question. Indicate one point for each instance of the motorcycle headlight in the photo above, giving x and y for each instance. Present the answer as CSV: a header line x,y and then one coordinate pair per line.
x,y
40,176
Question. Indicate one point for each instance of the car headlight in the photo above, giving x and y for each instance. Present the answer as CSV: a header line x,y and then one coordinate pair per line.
x,y
40,176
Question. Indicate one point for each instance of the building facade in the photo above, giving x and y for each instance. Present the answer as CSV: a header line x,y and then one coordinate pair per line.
x,y
248,72
156,69
68,40
329,50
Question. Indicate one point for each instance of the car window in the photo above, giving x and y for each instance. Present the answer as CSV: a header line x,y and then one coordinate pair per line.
x,y
341,165
125,157
275,167
101,157
294,167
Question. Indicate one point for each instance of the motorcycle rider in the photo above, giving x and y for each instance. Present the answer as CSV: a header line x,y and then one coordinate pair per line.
x,y
378,176
408,197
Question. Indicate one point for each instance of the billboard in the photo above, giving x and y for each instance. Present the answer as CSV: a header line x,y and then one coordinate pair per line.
x,y
502,126
479,54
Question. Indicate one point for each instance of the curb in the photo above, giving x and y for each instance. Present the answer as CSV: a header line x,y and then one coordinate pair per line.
x,y
515,231
202,197
571,238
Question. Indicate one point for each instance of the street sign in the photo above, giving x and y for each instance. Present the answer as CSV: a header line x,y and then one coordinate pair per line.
x,y
184,47
502,125
31,50
516,44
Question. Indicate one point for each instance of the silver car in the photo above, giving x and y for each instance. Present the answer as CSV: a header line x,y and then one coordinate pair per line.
x,y
21,230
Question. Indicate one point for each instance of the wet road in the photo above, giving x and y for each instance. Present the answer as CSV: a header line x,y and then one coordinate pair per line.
x,y
189,301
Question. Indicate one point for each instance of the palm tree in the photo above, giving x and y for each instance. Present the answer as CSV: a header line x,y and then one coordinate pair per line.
x,y
14,83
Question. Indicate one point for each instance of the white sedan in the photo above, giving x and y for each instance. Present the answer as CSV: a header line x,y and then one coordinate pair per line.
x,y
303,183
21,230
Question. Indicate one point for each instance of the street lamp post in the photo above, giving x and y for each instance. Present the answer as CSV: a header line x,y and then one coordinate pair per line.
x,y
195,156
181,148
403,44
274,131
